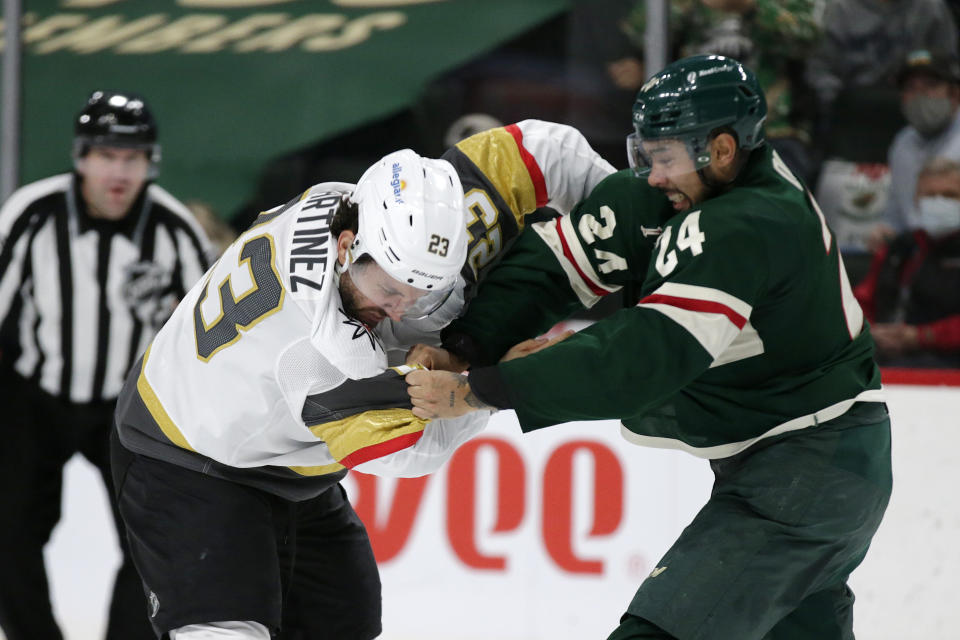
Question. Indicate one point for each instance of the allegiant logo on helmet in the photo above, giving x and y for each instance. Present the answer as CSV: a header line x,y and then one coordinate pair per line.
x,y
397,183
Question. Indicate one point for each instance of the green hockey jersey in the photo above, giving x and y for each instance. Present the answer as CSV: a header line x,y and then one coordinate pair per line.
x,y
746,325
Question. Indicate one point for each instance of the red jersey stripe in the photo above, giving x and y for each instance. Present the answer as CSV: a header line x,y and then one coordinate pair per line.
x,y
539,184
597,289
691,304
381,449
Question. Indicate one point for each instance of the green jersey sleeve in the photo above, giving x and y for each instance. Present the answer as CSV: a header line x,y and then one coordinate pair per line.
x,y
698,297
562,265
746,328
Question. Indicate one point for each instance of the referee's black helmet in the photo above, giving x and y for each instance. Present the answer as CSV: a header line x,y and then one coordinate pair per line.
x,y
114,119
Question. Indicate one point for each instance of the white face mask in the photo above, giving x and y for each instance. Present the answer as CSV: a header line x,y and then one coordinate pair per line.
x,y
939,215
929,115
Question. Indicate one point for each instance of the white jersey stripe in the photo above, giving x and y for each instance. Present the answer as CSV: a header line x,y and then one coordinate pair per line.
x,y
694,292
852,311
733,448
714,331
25,195
563,241
87,290
747,344
715,318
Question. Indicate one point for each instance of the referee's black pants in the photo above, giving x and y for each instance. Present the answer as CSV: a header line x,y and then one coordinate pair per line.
x,y
39,435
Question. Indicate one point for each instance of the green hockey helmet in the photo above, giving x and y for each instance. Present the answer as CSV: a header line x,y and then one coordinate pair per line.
x,y
690,99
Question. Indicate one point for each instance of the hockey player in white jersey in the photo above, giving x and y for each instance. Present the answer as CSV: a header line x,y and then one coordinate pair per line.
x,y
271,379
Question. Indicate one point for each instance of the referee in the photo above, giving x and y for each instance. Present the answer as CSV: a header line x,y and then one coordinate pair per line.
x,y
91,264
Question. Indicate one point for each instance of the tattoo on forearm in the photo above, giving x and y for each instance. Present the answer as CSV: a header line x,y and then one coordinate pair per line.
x,y
475,402
471,399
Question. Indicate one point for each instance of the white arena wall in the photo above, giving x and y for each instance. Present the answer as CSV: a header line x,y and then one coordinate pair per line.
x,y
547,535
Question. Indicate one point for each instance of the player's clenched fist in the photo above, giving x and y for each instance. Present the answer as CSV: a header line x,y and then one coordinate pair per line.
x,y
435,358
441,394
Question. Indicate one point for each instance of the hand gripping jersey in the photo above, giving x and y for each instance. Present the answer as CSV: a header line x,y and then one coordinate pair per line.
x,y
261,377
746,325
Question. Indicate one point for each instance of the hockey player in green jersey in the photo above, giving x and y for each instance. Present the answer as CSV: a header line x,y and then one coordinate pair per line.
x,y
746,347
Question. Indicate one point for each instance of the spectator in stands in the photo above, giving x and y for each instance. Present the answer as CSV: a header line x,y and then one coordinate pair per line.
x,y
853,73
865,41
773,37
911,291
930,96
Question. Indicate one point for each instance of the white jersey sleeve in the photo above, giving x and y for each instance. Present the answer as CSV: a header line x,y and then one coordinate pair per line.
x,y
440,439
368,425
569,165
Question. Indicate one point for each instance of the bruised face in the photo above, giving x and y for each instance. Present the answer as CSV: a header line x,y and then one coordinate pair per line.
x,y
112,179
672,170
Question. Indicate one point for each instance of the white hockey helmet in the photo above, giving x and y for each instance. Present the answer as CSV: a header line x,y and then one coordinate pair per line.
x,y
412,222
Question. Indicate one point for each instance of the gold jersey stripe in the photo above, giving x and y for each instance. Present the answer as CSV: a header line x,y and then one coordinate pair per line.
x,y
346,436
496,154
319,470
156,409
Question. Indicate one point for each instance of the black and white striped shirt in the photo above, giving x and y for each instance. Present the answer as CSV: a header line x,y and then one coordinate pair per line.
x,y
80,297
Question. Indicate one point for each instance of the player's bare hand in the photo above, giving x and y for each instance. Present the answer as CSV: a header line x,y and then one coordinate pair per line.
x,y
533,345
441,394
435,358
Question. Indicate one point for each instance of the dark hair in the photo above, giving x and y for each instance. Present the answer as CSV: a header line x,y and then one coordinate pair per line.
x,y
725,129
364,260
346,217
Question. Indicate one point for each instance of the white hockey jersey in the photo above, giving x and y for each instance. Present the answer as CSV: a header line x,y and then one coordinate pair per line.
x,y
260,369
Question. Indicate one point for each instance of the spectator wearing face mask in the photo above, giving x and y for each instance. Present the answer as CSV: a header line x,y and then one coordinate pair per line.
x,y
910,294
853,73
930,98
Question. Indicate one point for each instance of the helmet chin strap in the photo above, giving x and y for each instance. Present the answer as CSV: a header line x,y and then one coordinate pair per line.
x,y
339,269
